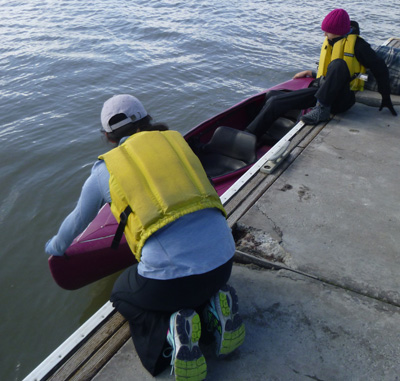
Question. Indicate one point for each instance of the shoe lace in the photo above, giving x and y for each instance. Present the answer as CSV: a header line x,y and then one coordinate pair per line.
x,y
168,352
211,318
316,111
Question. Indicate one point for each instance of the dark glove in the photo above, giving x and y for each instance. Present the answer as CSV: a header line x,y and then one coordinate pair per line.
x,y
387,102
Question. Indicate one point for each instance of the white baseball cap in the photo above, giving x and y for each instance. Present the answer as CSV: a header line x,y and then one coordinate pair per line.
x,y
121,104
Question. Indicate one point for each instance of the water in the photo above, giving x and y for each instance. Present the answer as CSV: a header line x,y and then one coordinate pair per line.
x,y
61,59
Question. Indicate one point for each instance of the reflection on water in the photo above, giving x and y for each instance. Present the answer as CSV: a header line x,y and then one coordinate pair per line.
x,y
99,292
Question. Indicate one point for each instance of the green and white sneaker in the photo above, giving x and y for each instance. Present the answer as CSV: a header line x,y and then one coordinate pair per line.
x,y
222,318
184,333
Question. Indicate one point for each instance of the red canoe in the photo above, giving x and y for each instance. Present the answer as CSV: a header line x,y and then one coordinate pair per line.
x,y
90,258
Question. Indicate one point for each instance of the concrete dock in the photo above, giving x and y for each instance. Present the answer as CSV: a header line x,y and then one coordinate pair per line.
x,y
330,222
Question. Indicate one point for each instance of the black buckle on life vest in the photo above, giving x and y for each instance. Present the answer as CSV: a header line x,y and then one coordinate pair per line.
x,y
354,76
121,227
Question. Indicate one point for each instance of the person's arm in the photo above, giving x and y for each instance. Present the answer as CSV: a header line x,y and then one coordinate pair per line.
x,y
91,200
369,58
305,73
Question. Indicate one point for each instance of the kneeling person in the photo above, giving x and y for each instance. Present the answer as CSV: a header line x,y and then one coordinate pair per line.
x,y
176,227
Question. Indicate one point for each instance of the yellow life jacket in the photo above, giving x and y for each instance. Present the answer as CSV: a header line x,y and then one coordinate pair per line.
x,y
157,176
343,49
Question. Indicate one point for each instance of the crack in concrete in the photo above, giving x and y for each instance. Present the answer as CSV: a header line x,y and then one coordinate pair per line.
x,y
260,244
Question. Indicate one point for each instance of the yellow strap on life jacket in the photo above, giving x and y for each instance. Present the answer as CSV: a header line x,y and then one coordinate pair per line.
x,y
343,49
324,58
161,179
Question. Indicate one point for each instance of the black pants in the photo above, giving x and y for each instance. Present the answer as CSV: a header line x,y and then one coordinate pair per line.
x,y
147,304
333,90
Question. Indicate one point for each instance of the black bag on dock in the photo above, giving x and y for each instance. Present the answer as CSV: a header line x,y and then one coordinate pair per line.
x,y
391,55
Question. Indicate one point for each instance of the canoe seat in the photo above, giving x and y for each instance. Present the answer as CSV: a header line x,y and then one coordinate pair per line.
x,y
279,128
228,150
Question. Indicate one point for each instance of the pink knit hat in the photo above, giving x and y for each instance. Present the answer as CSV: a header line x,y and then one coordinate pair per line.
x,y
336,22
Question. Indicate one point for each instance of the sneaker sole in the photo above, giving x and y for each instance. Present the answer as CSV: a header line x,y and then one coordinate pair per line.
x,y
306,120
233,329
190,364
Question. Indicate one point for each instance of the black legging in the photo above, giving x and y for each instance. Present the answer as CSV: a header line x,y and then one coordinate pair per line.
x,y
333,90
148,304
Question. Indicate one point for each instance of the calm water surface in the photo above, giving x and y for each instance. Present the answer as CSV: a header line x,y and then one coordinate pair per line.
x,y
61,59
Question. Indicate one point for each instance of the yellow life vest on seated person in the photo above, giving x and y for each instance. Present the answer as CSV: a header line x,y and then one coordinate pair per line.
x,y
159,177
343,49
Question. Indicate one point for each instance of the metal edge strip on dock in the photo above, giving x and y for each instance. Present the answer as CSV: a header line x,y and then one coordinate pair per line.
x,y
44,368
